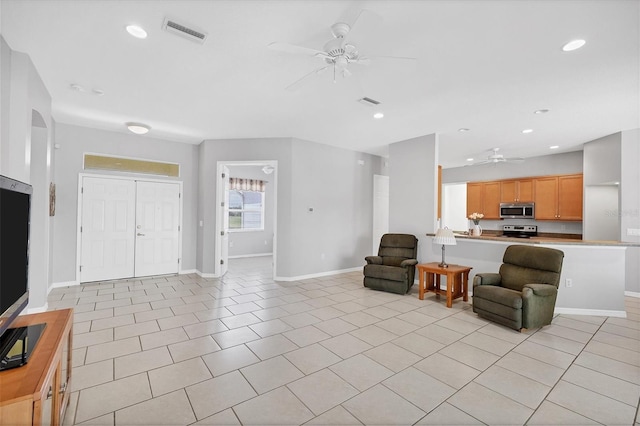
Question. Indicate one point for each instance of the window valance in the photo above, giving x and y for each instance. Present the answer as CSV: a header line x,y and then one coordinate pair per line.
x,y
240,184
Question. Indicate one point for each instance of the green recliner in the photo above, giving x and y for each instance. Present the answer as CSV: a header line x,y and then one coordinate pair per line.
x,y
523,293
394,268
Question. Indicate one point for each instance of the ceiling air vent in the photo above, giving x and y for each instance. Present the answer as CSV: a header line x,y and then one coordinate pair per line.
x,y
183,31
368,101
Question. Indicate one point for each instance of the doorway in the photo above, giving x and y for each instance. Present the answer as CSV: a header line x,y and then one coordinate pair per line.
x,y
234,241
128,228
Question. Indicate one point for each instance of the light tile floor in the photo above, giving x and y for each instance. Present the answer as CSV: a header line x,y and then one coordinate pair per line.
x,y
182,350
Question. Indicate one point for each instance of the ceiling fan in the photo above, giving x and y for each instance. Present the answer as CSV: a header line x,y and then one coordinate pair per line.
x,y
340,52
498,158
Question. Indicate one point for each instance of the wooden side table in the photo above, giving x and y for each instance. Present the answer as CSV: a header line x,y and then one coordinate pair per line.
x,y
457,281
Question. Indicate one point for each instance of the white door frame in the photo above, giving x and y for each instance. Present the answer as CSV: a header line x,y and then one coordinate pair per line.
x,y
220,198
81,176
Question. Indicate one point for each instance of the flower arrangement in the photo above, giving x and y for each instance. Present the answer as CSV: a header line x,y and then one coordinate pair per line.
x,y
475,217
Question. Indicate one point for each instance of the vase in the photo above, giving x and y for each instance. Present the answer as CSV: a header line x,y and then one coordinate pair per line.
x,y
477,230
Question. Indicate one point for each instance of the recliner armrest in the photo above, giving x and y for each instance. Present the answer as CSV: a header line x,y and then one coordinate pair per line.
x,y
375,260
408,262
539,290
487,279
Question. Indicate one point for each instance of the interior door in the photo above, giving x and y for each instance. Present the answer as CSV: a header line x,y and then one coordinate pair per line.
x,y
157,228
107,229
224,240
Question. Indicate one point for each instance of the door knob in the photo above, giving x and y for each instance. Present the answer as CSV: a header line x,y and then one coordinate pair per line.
x,y
140,235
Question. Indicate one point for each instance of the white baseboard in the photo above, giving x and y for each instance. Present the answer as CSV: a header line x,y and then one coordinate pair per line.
x,y
203,275
318,275
64,284
187,271
37,310
591,312
632,294
240,256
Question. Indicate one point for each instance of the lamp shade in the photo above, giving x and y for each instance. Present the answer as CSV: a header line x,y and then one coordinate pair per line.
x,y
444,236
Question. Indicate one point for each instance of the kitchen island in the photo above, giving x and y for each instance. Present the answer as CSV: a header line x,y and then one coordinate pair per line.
x,y
594,273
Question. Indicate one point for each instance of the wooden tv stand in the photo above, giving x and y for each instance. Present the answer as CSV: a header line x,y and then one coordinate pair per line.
x,y
38,392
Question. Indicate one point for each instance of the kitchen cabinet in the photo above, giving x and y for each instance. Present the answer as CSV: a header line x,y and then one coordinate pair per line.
x,y
516,191
558,197
38,392
484,197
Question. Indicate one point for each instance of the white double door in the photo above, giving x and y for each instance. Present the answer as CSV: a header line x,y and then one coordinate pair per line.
x,y
128,228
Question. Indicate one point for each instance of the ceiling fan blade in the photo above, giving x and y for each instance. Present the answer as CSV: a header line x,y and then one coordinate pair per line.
x,y
293,86
297,50
367,22
401,58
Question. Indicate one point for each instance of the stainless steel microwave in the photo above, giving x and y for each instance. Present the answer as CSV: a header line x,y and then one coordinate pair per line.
x,y
517,211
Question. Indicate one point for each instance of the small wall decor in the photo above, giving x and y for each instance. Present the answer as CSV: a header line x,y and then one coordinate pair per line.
x,y
52,199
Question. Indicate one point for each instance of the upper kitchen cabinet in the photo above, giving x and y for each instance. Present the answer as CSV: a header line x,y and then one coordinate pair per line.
x,y
484,197
558,197
516,191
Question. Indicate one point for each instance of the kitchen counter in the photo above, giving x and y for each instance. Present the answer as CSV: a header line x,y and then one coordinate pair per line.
x,y
543,240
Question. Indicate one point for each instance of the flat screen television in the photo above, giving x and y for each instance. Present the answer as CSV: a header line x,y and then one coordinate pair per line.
x,y
15,207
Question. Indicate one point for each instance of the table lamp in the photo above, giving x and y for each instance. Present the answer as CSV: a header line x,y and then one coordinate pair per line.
x,y
445,237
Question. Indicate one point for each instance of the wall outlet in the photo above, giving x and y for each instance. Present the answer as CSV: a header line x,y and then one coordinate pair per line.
x,y
568,282
633,232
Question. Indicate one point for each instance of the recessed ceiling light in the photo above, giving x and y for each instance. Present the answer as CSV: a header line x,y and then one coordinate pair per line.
x,y
136,31
138,128
541,111
378,115
463,129
554,147
573,45
76,87
525,131
98,92
469,159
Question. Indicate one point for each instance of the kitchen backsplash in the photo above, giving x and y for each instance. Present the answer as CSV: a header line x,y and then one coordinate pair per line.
x,y
543,225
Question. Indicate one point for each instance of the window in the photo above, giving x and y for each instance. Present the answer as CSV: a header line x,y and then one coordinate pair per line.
x,y
246,210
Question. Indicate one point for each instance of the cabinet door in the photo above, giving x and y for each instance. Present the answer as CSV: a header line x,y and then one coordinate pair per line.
x,y
508,191
570,197
546,198
474,198
491,200
525,191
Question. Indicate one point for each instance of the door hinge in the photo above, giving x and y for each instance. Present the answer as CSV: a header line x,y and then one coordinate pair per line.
x,y
82,189
179,195
222,204
222,233
178,227
80,268
178,260
80,228
221,262
224,176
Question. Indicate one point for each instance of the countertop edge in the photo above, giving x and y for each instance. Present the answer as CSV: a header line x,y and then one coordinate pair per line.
x,y
544,240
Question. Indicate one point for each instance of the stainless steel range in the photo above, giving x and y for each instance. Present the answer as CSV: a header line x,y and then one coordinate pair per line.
x,y
519,231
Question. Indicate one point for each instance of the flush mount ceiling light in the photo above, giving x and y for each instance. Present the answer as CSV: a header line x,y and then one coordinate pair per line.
x,y
573,45
469,159
554,147
138,128
136,31
378,115
463,129
541,111
525,131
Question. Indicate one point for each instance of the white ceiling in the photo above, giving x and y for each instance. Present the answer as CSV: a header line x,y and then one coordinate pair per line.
x,y
482,65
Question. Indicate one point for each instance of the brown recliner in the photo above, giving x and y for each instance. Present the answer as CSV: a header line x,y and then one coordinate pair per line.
x,y
523,293
393,269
